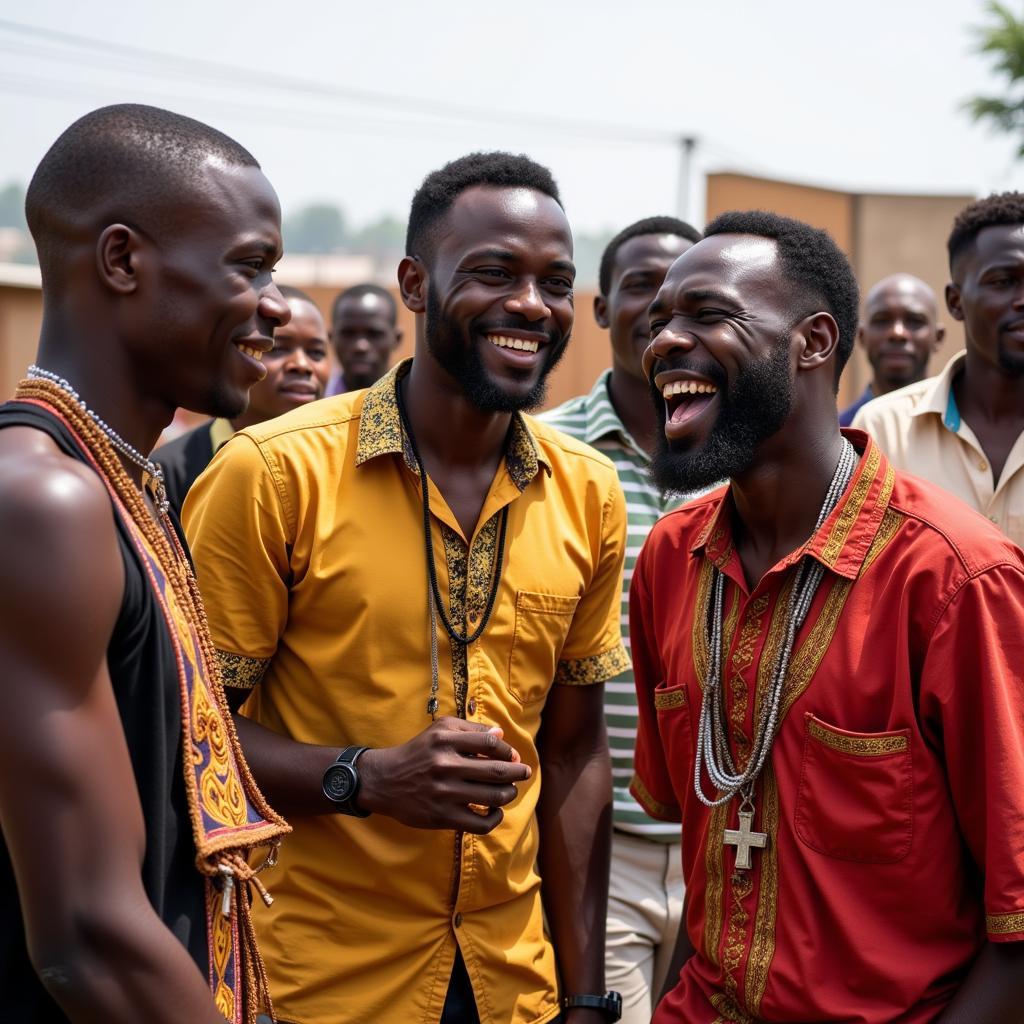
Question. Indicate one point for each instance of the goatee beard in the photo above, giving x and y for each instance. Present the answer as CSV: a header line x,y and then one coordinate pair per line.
x,y
462,360
753,409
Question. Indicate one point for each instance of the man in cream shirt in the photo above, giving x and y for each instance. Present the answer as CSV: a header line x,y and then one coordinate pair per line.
x,y
964,429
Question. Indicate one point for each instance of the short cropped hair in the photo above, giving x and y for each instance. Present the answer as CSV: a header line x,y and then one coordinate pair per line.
x,y
357,291
128,163
999,208
813,264
440,189
647,226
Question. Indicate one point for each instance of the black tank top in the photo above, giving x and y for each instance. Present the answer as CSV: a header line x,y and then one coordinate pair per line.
x,y
144,674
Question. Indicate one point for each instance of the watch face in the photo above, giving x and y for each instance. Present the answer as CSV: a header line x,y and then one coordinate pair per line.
x,y
339,782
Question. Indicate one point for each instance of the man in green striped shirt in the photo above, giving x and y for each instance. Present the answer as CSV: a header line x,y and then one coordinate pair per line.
x,y
618,418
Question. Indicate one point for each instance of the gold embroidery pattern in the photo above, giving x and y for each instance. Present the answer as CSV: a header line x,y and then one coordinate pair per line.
x,y
1004,924
456,559
669,701
730,1012
740,887
859,746
714,872
742,656
762,945
221,788
890,524
380,426
597,668
653,807
241,672
699,633
772,643
851,507
521,453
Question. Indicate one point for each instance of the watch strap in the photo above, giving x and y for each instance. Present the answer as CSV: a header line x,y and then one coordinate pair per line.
x,y
610,1004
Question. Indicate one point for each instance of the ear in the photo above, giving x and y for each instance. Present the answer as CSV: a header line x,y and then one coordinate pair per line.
x,y
860,334
399,334
117,258
601,311
412,283
940,335
819,334
956,311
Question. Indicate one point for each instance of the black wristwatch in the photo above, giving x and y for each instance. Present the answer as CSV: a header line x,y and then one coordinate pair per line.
x,y
341,783
610,1004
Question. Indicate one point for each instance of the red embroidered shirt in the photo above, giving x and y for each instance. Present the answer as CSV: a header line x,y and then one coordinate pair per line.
x,y
893,798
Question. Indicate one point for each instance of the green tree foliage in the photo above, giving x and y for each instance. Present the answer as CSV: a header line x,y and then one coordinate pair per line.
x,y
1003,40
317,228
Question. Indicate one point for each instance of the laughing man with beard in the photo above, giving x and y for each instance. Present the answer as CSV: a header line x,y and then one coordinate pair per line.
x,y
418,658
828,657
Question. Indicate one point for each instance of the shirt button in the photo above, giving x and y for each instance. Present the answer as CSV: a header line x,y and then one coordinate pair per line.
x,y
471,707
458,920
982,465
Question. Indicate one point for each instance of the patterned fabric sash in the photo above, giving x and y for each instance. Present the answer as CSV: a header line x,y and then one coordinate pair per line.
x,y
229,816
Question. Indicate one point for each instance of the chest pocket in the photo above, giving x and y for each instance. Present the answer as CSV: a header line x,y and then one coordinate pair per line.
x,y
855,796
542,624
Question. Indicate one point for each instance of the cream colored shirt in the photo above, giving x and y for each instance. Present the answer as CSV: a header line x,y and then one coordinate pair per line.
x,y
920,430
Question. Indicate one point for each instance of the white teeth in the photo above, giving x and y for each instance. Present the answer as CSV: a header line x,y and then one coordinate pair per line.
x,y
687,387
517,343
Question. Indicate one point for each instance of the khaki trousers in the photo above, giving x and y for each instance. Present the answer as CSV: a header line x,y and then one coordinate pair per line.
x,y
645,906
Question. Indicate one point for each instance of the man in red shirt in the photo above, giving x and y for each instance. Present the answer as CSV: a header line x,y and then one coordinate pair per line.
x,y
829,662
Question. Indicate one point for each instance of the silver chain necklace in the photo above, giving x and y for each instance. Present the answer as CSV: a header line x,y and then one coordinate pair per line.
x,y
156,473
713,753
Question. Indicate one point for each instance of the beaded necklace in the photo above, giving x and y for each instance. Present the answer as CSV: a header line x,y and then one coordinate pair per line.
x,y
712,747
223,841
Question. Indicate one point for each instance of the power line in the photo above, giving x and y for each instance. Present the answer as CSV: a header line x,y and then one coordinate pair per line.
x,y
177,65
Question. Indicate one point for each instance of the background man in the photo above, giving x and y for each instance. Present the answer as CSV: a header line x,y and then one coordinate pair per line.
x,y
899,332
156,236
364,333
835,650
297,369
499,623
645,898
964,429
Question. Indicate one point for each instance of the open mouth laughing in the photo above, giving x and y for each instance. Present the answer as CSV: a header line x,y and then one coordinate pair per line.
x,y
686,399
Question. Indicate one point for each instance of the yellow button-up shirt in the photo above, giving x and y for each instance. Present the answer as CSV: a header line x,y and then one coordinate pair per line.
x,y
307,532
920,430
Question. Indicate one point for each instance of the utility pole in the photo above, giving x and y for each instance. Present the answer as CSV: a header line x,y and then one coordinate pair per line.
x,y
687,145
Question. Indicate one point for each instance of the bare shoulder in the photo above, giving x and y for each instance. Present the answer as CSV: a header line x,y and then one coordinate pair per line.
x,y
57,532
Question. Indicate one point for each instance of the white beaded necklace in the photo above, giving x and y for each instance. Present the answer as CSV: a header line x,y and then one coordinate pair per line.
x,y
156,473
712,751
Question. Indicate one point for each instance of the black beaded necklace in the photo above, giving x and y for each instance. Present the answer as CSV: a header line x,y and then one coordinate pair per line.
x,y
452,632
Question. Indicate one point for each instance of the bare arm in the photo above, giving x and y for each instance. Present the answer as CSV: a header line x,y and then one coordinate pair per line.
x,y
68,801
574,821
428,782
993,991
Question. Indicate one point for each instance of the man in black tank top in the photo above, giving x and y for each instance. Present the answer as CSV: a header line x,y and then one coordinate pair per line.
x,y
157,236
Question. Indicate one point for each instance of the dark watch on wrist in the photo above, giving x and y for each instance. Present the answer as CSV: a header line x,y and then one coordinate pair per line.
x,y
341,783
610,1004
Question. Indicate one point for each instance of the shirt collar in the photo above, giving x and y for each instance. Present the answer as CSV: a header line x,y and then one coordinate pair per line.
x,y
221,432
842,542
381,433
602,419
938,397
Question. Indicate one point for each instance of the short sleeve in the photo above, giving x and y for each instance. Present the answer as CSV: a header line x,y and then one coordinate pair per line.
x,y
652,783
593,650
973,697
235,521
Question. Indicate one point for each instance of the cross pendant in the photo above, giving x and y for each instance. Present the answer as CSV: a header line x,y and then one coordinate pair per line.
x,y
743,839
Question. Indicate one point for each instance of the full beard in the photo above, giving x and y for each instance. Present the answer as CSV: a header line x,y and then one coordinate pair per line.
x,y
461,359
753,409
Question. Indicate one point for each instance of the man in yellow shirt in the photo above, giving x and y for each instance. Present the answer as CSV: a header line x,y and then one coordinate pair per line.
x,y
964,429
466,657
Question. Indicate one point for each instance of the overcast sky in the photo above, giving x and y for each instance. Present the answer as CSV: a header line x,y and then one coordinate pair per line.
x,y
861,96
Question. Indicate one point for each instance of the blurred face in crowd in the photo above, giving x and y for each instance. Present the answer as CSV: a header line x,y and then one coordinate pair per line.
x,y
364,336
899,331
638,270
297,366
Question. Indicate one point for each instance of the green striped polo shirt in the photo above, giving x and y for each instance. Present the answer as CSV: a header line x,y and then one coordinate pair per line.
x,y
592,419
